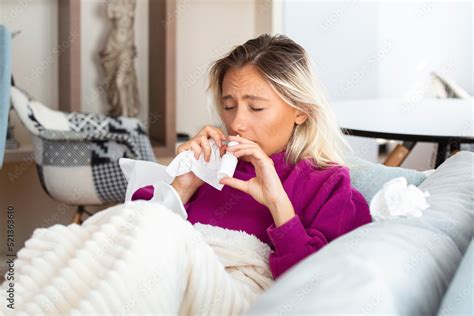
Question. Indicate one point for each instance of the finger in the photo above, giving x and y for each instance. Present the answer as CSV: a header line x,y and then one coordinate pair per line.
x,y
240,147
180,149
243,152
241,140
250,152
207,148
196,149
217,135
235,183
214,133
222,150
183,147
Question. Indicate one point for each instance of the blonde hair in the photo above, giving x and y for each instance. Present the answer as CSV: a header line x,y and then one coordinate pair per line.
x,y
286,67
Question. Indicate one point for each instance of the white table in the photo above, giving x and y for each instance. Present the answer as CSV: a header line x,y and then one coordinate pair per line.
x,y
442,121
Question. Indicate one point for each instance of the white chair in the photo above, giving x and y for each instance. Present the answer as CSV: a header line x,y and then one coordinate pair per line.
x,y
77,154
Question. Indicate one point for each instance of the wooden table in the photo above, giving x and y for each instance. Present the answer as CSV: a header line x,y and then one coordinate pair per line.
x,y
442,121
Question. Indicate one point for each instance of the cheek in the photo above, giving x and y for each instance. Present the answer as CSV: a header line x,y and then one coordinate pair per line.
x,y
273,131
277,125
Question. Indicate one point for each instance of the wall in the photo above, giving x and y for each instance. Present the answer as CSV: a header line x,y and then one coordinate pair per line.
x,y
216,26
366,50
35,66
433,36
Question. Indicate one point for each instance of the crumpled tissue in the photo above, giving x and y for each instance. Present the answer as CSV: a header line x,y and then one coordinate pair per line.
x,y
210,172
397,199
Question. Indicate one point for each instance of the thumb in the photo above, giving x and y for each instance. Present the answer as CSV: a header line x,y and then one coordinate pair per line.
x,y
235,183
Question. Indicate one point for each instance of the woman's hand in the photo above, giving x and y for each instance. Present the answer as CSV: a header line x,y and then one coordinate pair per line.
x,y
187,184
266,188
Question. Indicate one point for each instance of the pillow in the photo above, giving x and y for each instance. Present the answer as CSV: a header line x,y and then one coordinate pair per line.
x,y
443,87
36,116
401,266
368,178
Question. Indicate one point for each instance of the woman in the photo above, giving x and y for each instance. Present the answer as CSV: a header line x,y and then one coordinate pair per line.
x,y
291,187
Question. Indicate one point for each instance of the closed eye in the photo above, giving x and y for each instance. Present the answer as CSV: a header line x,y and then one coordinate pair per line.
x,y
228,108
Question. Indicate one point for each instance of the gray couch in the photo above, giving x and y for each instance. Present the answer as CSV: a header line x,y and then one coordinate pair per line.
x,y
459,299
400,266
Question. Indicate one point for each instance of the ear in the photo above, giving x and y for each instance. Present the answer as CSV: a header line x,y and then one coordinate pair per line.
x,y
300,117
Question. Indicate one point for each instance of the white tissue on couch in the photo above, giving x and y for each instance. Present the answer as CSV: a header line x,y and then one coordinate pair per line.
x,y
397,199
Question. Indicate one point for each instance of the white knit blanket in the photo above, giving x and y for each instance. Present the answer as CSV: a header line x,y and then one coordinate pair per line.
x,y
139,258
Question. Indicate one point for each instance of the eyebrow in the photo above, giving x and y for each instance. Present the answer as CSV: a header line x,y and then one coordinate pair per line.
x,y
247,96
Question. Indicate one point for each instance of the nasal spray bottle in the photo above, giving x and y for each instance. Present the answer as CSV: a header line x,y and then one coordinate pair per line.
x,y
228,163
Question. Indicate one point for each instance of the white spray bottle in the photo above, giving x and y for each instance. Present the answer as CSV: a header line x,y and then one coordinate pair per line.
x,y
228,163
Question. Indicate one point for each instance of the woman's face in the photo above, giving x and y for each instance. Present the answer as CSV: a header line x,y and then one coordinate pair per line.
x,y
252,109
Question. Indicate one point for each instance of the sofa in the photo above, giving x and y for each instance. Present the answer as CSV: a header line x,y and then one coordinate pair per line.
x,y
399,266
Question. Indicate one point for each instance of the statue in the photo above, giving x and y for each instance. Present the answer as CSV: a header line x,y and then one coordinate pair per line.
x,y
118,57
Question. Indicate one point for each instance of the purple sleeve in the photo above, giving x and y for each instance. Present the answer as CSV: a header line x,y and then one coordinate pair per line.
x,y
143,193
332,208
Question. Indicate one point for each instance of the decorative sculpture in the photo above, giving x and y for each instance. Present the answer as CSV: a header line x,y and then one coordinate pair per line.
x,y
118,57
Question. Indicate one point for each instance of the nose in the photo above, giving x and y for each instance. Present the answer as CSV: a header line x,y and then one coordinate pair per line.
x,y
239,121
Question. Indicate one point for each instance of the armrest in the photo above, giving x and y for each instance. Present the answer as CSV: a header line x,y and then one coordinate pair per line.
x,y
457,300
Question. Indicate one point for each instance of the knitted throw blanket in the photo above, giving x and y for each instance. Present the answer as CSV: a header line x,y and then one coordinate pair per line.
x,y
138,257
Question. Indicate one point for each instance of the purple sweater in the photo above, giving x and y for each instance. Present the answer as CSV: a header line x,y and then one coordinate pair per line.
x,y
325,204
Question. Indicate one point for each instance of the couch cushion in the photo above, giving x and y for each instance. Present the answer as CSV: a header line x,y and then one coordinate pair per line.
x,y
459,299
368,178
401,266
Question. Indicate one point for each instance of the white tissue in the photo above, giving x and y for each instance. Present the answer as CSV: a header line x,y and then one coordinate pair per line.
x,y
210,172
140,173
165,193
397,199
